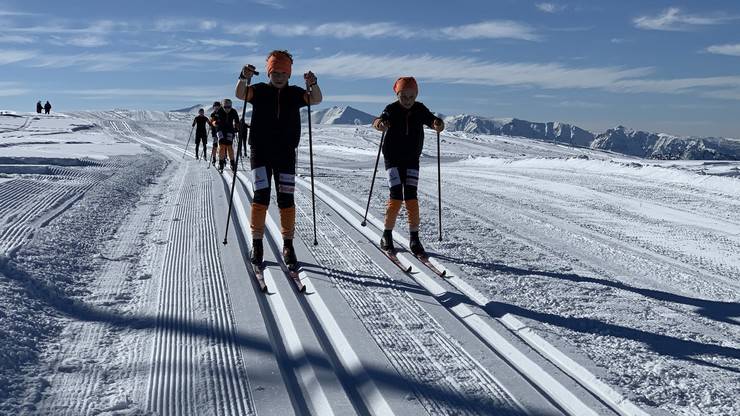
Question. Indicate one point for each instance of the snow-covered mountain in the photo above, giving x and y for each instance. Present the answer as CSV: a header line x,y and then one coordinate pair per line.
x,y
665,146
550,131
338,115
619,139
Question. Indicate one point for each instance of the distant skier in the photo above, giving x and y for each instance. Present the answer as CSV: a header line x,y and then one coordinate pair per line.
x,y
214,131
404,121
274,137
227,123
201,134
39,107
47,108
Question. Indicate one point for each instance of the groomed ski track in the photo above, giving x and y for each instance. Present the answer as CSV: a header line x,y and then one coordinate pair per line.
x,y
365,338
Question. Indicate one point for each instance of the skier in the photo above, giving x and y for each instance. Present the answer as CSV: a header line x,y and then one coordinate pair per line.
x,y
214,131
403,123
47,107
200,132
274,137
39,107
227,123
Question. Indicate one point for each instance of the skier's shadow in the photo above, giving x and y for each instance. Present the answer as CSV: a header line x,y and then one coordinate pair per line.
x,y
78,310
662,344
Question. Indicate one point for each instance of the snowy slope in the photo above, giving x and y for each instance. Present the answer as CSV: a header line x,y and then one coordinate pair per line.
x,y
579,281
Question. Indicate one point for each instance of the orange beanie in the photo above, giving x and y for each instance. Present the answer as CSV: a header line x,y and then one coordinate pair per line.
x,y
405,83
279,62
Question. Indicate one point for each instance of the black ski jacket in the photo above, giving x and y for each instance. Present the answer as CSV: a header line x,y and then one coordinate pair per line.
x,y
404,139
227,122
276,118
201,122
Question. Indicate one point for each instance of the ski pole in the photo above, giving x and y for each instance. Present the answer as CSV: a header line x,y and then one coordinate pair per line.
x,y
190,136
310,156
439,186
236,165
372,184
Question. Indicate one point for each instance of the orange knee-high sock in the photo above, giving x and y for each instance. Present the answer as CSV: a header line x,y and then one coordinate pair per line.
x,y
391,213
287,222
259,213
412,207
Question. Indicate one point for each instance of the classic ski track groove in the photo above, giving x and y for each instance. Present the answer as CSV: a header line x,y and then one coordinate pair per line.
x,y
581,375
312,394
413,332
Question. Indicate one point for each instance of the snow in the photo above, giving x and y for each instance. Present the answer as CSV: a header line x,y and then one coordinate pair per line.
x,y
110,277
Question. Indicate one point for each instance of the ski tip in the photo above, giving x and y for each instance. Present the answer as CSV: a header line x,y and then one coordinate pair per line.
x,y
408,269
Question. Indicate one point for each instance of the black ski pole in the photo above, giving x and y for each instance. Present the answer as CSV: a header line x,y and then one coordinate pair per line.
x,y
236,164
439,186
310,156
190,136
372,183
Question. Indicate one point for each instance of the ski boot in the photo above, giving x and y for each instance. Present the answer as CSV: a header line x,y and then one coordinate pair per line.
x,y
415,245
233,166
289,255
221,164
257,252
386,242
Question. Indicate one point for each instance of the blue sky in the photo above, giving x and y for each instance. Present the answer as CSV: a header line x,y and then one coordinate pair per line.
x,y
669,66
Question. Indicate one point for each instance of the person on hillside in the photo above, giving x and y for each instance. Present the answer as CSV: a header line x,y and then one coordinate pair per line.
x,y
403,122
201,134
227,124
274,137
47,108
214,131
39,107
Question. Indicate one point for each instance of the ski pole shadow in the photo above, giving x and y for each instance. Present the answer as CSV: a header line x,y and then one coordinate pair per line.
x,y
408,384
721,311
666,345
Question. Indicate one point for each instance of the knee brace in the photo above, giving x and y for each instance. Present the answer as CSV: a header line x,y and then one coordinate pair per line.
x,y
258,215
412,208
287,222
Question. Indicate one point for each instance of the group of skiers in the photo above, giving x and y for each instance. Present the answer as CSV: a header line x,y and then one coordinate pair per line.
x,y
46,108
275,134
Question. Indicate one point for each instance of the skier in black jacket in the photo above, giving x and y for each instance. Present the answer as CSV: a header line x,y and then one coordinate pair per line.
x,y
273,139
200,132
214,131
404,121
227,124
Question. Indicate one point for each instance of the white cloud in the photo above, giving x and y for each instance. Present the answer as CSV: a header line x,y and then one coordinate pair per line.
x,y
550,7
17,39
493,29
731,50
11,56
12,89
226,42
470,71
360,98
275,4
196,93
84,41
673,19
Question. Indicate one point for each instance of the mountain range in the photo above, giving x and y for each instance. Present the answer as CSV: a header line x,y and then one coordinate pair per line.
x,y
619,139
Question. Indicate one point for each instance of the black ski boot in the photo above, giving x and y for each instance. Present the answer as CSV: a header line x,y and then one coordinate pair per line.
x,y
221,164
386,242
415,245
257,252
289,254
233,166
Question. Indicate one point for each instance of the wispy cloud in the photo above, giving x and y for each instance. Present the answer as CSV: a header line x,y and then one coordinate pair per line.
x,y
493,29
550,7
359,98
731,50
478,72
96,62
10,56
84,41
17,39
12,89
275,4
224,42
674,19
194,93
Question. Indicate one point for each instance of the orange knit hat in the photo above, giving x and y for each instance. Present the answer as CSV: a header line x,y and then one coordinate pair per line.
x,y
279,61
405,83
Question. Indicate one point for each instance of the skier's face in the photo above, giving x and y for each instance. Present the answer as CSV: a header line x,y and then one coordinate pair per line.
x,y
279,79
407,98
